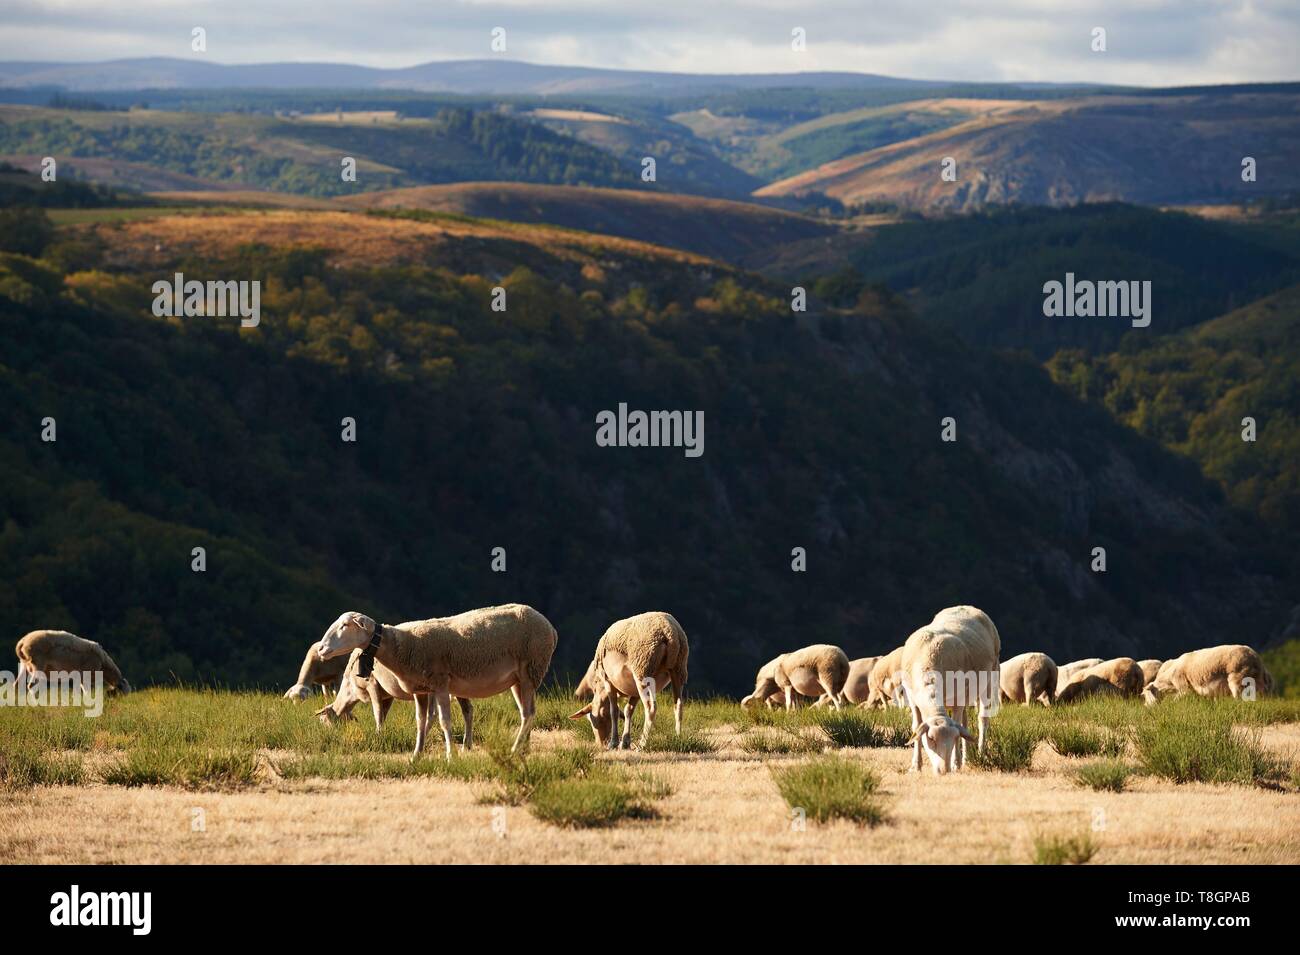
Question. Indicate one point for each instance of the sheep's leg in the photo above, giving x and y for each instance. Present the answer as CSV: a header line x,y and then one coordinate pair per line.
x,y
421,722
467,713
834,697
525,699
959,751
646,689
443,699
629,708
916,745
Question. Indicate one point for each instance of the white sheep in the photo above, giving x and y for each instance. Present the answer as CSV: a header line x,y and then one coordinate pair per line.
x,y
42,652
884,682
1150,668
816,671
767,692
1027,678
317,672
1122,673
1065,671
635,659
1230,670
857,685
476,654
380,688
948,665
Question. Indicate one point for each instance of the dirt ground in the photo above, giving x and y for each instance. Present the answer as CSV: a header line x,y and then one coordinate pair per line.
x,y
725,809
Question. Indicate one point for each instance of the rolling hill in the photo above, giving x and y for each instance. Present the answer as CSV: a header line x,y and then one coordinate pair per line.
x,y
476,430
982,275
1142,149
1191,392
498,75
714,227
303,154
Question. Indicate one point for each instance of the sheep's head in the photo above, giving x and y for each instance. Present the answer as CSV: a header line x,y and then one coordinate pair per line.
x,y
334,713
764,688
1153,692
939,736
600,712
349,631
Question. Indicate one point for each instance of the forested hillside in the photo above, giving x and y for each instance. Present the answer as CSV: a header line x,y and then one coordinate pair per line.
x,y
1191,392
475,430
300,156
982,275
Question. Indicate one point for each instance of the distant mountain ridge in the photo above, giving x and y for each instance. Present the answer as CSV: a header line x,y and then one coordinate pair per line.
x,y
491,76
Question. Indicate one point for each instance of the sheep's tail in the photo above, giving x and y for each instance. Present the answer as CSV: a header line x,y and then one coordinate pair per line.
x,y
537,664
834,674
1265,678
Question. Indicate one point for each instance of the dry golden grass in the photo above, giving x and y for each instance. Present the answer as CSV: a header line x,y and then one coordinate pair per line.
x,y
724,808
355,239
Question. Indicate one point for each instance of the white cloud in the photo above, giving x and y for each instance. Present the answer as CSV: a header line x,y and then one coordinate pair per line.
x,y
1151,42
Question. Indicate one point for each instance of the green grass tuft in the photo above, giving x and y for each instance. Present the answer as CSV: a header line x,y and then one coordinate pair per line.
x,y
1008,749
590,802
1105,775
863,728
1075,739
831,787
690,741
1198,743
1064,850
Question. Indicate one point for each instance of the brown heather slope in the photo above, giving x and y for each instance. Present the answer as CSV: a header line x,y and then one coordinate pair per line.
x,y
1141,149
719,228
352,238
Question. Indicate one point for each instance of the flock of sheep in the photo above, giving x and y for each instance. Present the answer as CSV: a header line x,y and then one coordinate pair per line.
x,y
942,669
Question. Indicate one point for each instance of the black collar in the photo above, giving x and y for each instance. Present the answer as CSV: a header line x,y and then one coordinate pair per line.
x,y
366,665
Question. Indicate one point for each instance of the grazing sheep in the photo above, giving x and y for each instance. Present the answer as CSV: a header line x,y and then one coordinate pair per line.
x,y
884,683
45,651
317,672
636,658
1084,685
857,686
766,690
1122,673
1068,670
1029,677
380,688
476,654
815,671
1231,670
1150,668
948,665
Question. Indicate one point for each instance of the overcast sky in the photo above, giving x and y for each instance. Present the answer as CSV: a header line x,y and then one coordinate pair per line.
x,y
1150,42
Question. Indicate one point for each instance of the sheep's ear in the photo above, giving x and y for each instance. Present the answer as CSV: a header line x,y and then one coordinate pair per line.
x,y
581,713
